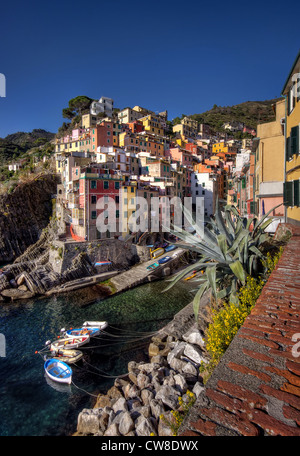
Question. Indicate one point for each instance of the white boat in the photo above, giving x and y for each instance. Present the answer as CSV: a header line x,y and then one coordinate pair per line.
x,y
99,324
69,343
58,371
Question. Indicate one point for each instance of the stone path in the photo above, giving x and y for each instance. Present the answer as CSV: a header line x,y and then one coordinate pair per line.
x,y
255,390
139,273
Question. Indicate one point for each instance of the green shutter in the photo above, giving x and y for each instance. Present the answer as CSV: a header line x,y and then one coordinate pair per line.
x,y
288,149
294,140
296,193
288,193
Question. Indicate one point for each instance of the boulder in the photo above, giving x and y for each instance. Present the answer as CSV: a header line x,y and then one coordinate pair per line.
x,y
157,408
194,337
145,427
194,353
120,405
126,424
112,430
168,395
181,383
146,396
88,422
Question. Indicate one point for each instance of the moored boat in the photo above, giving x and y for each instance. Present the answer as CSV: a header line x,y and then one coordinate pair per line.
x,y
69,342
98,324
67,356
58,371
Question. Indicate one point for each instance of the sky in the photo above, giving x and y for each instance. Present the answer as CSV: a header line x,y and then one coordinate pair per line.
x,y
179,56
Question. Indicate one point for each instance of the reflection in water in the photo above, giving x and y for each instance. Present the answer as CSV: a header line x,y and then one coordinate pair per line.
x,y
28,404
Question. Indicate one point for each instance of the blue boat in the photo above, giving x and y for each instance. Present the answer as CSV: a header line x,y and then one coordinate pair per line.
x,y
58,371
164,260
170,247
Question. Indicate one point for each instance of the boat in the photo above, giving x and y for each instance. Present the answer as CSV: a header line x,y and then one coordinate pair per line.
x,y
58,371
69,342
152,266
191,276
99,324
171,247
157,253
67,356
164,260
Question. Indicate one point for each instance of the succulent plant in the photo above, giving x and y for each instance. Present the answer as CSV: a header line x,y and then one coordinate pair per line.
x,y
228,252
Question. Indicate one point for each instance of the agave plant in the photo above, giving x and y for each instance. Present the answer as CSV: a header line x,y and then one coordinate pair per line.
x,y
229,252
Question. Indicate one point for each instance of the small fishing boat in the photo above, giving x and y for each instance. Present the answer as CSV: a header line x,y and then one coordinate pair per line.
x,y
95,324
58,371
69,343
191,276
67,356
171,247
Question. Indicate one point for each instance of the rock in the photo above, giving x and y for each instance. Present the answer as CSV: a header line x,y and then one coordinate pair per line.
x,y
153,350
126,424
157,408
104,418
198,388
21,279
145,427
88,422
177,364
189,368
148,368
102,401
23,288
145,411
131,391
194,353
168,396
176,352
194,337
112,430
120,405
181,383
164,425
15,293
146,396
142,380
159,359
114,392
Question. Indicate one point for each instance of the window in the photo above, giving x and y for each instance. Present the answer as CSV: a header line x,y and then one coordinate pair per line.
x,y
93,184
93,199
288,193
105,185
117,213
117,185
132,189
94,215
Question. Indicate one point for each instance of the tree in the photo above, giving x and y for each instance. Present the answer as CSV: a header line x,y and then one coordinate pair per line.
x,y
76,106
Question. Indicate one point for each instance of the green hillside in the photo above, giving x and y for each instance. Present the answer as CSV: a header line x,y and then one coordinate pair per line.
x,y
250,113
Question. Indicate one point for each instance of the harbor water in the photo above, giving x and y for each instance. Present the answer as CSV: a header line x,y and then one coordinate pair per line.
x,y
33,405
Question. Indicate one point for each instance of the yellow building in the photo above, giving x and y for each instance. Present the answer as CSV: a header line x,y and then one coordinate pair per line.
x,y
128,205
223,147
188,128
269,163
152,124
291,91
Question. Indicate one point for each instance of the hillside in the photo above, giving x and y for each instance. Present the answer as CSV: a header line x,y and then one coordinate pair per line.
x,y
16,144
250,113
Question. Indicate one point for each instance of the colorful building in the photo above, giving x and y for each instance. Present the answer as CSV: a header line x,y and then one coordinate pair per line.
x,y
291,92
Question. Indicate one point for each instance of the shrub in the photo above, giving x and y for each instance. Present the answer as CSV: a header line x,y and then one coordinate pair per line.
x,y
227,320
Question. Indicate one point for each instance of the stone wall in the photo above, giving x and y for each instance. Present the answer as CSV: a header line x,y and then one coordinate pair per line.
x,y
141,403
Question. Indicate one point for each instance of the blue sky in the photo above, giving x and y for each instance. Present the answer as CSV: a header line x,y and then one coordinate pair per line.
x,y
180,56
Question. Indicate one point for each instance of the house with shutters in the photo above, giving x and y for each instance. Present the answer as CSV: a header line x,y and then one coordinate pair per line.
x,y
269,164
291,92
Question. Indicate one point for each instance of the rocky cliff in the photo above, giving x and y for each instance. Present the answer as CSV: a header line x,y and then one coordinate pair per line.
x,y
23,215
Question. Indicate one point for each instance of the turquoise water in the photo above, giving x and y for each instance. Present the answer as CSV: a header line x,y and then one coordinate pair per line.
x,y
32,405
